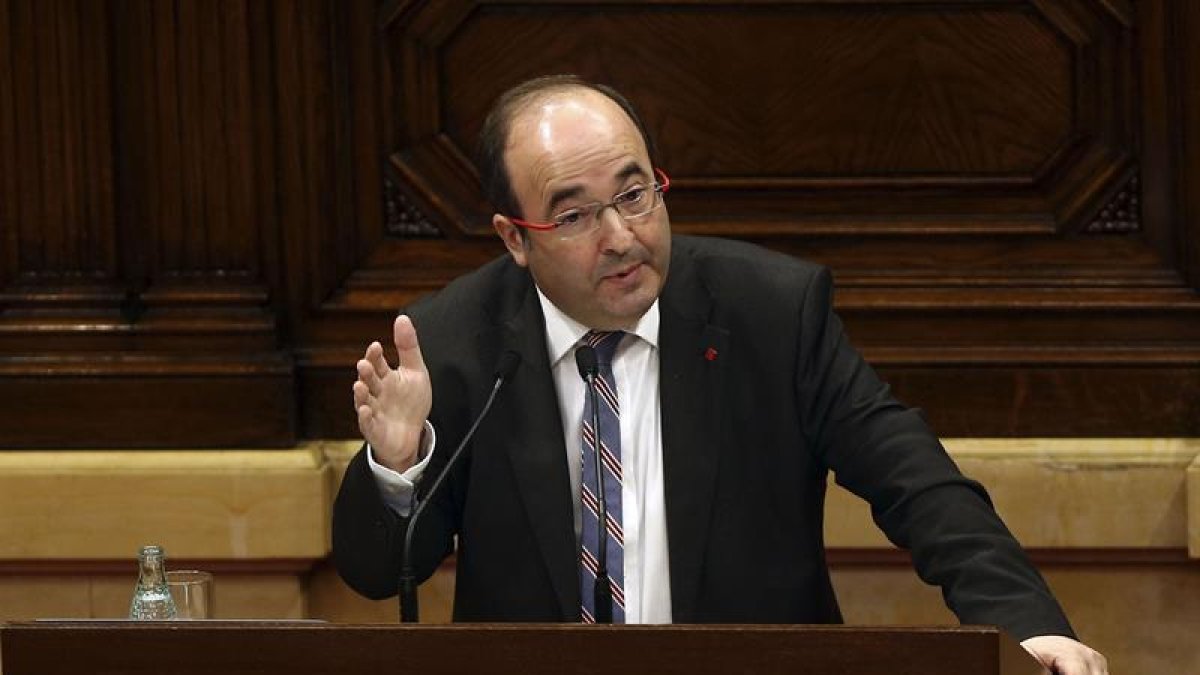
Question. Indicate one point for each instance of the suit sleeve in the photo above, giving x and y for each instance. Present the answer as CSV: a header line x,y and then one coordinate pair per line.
x,y
368,535
887,454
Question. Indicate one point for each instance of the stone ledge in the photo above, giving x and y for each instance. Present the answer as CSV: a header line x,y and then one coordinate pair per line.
x,y
200,504
1064,493
1193,506
275,504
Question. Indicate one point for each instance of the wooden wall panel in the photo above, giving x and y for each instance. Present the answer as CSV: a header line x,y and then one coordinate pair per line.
x,y
140,296
810,118
1007,192
1186,21
60,221
995,185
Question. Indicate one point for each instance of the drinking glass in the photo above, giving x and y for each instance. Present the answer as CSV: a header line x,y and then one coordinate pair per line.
x,y
192,591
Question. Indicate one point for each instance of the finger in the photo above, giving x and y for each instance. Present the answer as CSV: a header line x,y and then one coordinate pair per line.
x,y
367,376
377,360
362,395
405,337
365,421
1071,665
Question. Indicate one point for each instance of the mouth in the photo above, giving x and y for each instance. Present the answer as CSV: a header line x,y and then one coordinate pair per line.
x,y
624,273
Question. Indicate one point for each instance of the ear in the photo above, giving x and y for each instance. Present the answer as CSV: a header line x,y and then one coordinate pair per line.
x,y
514,240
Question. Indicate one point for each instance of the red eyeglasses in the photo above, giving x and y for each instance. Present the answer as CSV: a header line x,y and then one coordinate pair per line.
x,y
631,204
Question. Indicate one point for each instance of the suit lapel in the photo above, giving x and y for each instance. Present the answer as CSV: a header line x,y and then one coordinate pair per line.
x,y
691,364
534,442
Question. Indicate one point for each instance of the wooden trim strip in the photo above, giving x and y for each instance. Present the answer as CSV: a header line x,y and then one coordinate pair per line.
x,y
1042,557
82,568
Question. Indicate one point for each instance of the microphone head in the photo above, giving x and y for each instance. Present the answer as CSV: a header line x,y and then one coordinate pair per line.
x,y
507,365
585,359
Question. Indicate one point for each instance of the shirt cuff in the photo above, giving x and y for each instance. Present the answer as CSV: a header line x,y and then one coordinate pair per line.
x,y
398,489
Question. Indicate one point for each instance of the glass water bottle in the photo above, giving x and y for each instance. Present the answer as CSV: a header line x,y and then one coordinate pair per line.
x,y
151,598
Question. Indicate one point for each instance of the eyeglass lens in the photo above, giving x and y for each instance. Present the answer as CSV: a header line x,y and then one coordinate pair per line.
x,y
630,204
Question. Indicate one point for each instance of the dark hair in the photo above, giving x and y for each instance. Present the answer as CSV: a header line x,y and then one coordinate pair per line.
x,y
493,137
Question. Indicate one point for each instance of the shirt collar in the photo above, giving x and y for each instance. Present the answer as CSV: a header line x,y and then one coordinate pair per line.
x,y
563,332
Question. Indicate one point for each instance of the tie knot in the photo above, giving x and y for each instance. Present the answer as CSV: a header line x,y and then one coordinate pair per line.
x,y
605,343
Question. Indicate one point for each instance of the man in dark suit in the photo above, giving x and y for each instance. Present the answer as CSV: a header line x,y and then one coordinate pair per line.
x,y
735,393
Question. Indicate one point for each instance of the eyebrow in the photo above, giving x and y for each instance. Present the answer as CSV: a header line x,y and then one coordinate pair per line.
x,y
562,195
629,170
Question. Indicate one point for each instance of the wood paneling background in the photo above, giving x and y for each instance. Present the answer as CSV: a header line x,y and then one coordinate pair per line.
x,y
210,207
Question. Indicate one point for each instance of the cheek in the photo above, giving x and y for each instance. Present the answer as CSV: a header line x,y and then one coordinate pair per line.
x,y
655,238
569,271
576,270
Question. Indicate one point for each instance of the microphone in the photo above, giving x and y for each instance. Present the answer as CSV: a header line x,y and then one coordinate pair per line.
x,y
589,370
585,361
409,609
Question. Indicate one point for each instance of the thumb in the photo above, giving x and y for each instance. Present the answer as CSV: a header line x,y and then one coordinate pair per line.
x,y
404,335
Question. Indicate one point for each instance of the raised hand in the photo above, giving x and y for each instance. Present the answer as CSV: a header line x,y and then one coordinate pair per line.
x,y
393,404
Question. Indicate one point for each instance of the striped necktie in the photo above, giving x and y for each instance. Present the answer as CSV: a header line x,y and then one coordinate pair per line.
x,y
605,344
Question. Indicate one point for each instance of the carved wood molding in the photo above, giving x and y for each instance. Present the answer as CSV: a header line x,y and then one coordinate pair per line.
x,y
1122,214
825,141
402,218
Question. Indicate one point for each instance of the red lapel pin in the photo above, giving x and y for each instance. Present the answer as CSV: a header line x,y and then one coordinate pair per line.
x,y
710,354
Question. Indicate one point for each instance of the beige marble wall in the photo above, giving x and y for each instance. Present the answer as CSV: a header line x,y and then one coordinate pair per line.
x,y
214,504
71,523
1066,493
1113,522
1193,506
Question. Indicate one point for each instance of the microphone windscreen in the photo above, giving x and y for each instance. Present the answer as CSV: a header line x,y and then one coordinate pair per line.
x,y
509,361
585,359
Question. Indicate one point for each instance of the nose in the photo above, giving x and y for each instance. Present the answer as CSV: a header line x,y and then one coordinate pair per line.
x,y
616,234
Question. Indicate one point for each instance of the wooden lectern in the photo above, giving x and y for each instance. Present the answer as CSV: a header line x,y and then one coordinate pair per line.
x,y
263,648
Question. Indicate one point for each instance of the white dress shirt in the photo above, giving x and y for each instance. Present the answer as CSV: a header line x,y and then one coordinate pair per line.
x,y
643,506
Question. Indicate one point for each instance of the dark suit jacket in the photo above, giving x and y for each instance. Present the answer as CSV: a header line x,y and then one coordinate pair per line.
x,y
748,439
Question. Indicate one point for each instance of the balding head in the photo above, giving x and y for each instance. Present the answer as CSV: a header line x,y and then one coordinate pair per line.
x,y
495,134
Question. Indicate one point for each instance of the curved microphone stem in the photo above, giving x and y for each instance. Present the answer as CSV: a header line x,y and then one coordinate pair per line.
x,y
409,606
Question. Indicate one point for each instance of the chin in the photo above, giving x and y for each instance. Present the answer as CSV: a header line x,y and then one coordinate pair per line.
x,y
630,309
